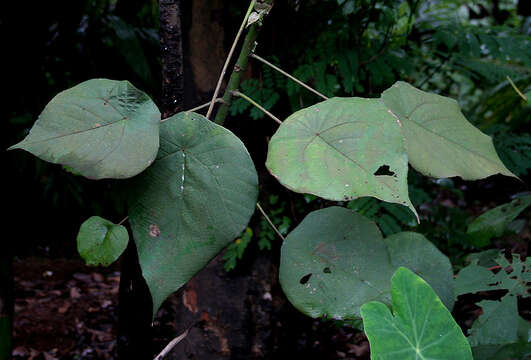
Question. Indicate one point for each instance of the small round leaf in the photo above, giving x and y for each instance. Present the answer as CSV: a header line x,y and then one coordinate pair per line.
x,y
100,242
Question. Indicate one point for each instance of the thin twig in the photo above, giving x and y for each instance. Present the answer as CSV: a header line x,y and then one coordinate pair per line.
x,y
123,220
516,89
218,100
171,345
224,70
269,221
254,103
288,75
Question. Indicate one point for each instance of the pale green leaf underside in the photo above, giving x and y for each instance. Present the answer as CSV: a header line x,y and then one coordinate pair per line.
x,y
440,141
194,200
101,242
100,128
494,222
334,148
336,260
420,327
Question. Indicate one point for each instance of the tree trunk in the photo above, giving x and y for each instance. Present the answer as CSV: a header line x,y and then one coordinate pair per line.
x,y
134,316
172,57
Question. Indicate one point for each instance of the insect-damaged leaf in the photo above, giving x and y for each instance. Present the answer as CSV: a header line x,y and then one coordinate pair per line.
x,y
341,149
100,129
420,326
101,242
336,260
440,141
194,200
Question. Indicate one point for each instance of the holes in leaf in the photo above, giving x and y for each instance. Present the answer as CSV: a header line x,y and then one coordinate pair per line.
x,y
384,170
305,278
327,270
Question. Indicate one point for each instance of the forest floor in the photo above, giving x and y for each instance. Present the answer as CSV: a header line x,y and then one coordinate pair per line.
x,y
66,310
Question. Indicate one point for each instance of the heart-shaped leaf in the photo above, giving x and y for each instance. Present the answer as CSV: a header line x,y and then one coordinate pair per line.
x,y
101,242
440,141
193,201
415,252
420,327
100,129
334,262
341,149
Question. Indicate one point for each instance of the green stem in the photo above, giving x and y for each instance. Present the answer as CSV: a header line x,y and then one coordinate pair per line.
x,y
516,88
288,75
231,51
254,103
239,69
269,221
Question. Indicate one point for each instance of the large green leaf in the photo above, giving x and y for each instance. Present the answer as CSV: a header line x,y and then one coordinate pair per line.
x,y
494,222
101,242
193,201
341,149
440,141
414,251
334,262
420,327
100,128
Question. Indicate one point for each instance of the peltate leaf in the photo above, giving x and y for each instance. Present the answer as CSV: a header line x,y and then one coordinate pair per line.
x,y
494,222
420,327
414,251
341,149
193,201
101,242
334,262
100,129
440,141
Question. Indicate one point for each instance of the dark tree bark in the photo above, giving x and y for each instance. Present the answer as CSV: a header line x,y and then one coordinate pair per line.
x,y
135,311
135,335
172,57
232,310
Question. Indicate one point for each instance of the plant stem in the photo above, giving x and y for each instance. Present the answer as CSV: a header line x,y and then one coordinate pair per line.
x,y
269,221
240,67
516,88
288,75
171,345
220,100
252,102
229,56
